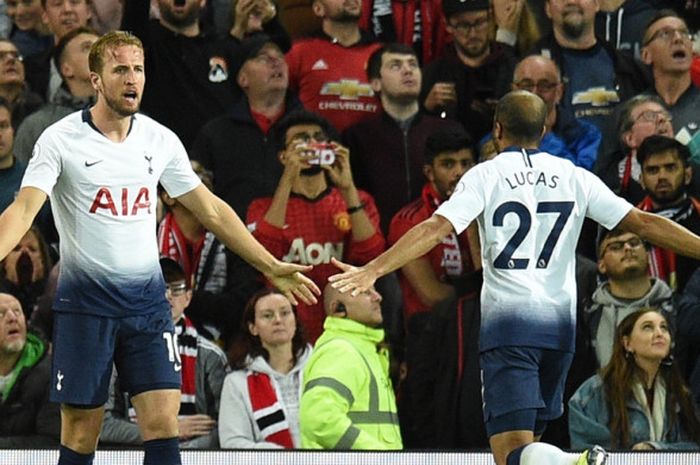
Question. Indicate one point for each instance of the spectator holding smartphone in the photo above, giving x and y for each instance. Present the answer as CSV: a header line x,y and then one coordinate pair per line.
x,y
316,211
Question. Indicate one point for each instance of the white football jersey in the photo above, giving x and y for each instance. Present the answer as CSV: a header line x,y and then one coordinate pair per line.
x,y
530,207
103,197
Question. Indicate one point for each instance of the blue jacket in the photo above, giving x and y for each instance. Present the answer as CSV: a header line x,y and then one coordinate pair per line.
x,y
589,420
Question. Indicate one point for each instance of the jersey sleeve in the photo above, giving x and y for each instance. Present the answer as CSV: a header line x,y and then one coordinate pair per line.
x,y
44,166
604,207
467,201
178,178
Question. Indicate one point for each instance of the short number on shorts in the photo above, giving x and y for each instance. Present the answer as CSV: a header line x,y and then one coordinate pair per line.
x,y
171,342
505,259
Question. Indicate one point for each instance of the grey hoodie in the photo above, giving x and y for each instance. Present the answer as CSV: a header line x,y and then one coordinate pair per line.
x,y
606,311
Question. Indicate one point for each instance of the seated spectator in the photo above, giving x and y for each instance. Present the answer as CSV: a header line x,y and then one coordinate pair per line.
x,y
260,398
29,33
387,149
450,269
204,367
23,273
640,117
638,401
668,50
666,178
13,87
220,285
29,420
75,93
623,259
61,17
328,69
475,70
567,137
348,398
316,212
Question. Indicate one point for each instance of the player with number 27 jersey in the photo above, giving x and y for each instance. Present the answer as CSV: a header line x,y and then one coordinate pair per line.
x,y
530,207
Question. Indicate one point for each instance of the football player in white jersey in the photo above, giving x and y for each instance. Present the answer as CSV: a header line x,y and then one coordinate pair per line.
x,y
529,207
101,168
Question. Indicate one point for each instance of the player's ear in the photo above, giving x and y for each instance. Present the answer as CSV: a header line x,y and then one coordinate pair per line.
x,y
96,81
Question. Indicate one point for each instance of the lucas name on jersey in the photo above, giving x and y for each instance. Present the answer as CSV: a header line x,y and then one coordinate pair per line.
x,y
531,178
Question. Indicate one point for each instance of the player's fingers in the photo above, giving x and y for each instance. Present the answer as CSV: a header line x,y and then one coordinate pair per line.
x,y
342,266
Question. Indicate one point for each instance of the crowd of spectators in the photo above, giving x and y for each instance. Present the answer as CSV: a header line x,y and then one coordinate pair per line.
x,y
331,146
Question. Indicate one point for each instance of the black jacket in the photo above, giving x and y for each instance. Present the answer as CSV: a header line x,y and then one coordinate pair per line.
x,y
27,419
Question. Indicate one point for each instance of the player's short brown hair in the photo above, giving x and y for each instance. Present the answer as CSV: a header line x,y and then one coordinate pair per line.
x,y
110,41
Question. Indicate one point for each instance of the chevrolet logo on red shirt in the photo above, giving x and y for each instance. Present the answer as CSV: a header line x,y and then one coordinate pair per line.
x,y
347,89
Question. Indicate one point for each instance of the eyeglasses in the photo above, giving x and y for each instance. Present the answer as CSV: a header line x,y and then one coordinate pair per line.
x,y
618,246
667,34
176,290
542,85
655,117
465,26
14,54
306,137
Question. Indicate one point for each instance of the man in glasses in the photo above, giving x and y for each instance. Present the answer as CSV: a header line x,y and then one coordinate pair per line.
x,y
640,117
566,136
13,85
474,72
668,50
623,260
316,212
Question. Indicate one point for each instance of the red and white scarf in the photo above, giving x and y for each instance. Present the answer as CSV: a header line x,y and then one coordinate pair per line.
x,y
187,347
172,243
267,411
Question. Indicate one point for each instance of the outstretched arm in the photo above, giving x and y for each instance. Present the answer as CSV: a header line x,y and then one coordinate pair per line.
x,y
16,220
418,241
219,218
662,232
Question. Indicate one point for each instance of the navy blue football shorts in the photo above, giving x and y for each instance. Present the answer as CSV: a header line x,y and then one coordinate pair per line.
x,y
143,348
523,387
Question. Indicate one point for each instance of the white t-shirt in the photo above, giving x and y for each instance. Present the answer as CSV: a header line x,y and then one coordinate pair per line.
x,y
530,208
103,198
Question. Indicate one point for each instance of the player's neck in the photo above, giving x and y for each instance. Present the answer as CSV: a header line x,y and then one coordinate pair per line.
x,y
346,34
113,126
670,86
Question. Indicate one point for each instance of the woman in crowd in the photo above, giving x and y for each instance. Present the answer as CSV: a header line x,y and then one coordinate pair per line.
x,y
23,273
639,400
260,398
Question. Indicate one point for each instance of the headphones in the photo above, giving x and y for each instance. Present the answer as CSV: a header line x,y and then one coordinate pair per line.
x,y
340,308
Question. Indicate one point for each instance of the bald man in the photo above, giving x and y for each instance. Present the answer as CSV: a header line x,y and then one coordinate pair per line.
x,y
29,420
346,380
566,137
530,207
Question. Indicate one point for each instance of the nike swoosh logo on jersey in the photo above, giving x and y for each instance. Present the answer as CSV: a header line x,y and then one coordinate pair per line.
x,y
88,164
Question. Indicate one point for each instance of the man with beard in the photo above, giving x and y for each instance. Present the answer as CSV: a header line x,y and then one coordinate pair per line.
x,y
316,213
388,148
474,72
327,70
598,76
666,176
101,167
668,49
623,260
188,78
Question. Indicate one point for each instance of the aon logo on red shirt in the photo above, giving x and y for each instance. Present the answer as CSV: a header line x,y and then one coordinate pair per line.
x,y
313,253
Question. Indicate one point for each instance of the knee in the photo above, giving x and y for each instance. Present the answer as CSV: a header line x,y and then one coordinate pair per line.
x,y
80,430
159,425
